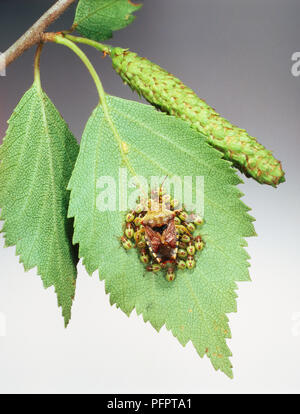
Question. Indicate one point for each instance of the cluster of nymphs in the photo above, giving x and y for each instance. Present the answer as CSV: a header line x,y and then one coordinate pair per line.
x,y
163,234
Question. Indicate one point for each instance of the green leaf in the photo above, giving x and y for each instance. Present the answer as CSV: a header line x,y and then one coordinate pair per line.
x,y
97,19
149,143
37,158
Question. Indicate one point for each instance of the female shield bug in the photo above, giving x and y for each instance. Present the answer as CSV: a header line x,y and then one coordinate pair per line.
x,y
162,235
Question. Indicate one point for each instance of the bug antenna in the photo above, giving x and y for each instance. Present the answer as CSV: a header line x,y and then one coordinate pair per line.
x,y
161,186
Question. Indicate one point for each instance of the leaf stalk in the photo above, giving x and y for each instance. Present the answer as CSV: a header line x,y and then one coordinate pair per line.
x,y
37,58
106,49
62,40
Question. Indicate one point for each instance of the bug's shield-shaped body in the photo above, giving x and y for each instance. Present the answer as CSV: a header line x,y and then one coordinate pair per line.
x,y
161,235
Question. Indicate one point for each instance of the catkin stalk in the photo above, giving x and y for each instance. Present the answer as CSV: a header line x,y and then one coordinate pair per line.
x,y
170,95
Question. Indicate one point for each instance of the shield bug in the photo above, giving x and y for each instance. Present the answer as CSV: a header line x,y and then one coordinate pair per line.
x,y
190,263
129,231
183,216
181,264
170,276
198,220
190,249
137,221
129,217
177,220
126,243
144,257
191,228
160,232
185,238
155,267
199,243
182,253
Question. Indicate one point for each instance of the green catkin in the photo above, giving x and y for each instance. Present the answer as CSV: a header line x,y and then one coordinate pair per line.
x,y
170,95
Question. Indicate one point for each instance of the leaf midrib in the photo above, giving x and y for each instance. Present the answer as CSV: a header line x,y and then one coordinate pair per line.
x,y
59,240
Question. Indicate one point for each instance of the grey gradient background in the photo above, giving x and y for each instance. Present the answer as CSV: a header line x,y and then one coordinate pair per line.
x,y
237,55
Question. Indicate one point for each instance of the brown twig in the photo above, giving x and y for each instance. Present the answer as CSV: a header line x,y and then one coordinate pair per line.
x,y
34,34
